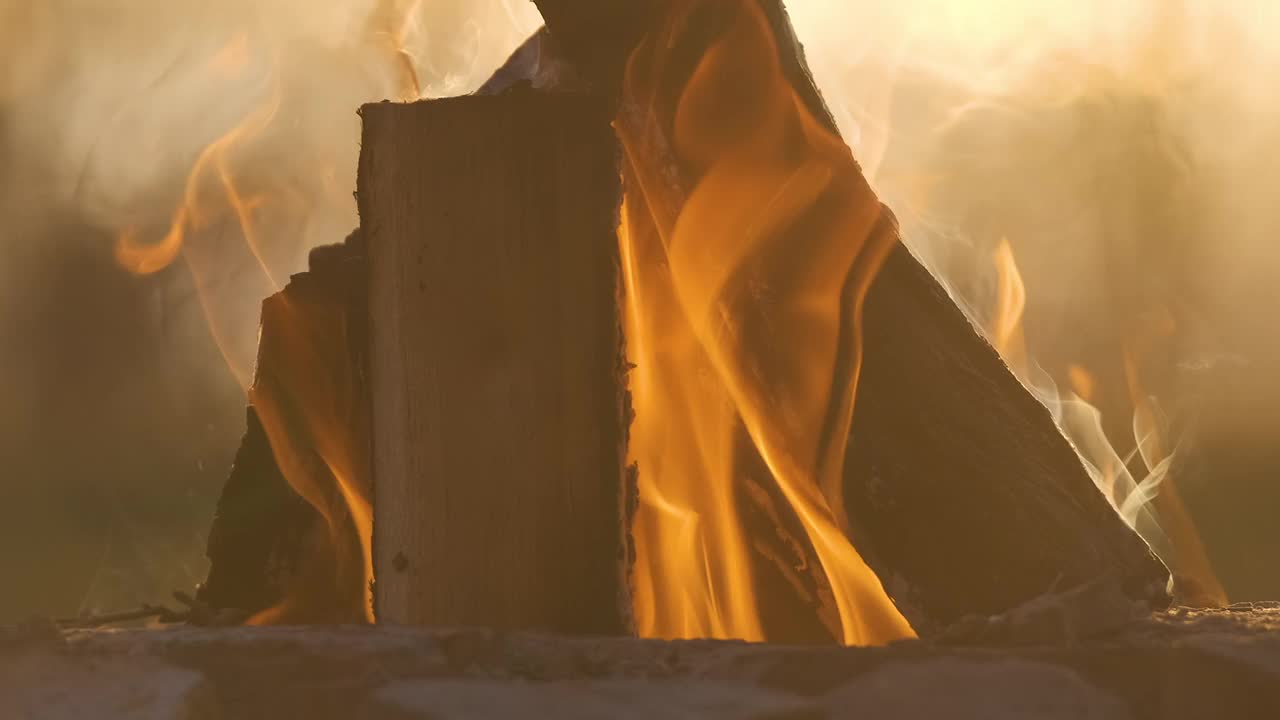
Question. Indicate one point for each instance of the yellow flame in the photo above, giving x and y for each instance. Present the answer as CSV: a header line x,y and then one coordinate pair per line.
x,y
744,307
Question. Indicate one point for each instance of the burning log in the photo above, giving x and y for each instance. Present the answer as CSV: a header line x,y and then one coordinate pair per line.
x,y
289,539
962,491
958,489
498,381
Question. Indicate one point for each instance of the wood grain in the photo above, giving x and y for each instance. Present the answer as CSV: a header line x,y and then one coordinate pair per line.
x,y
498,400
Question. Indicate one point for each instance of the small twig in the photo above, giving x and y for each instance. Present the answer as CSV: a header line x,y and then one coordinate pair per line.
x,y
146,612
197,613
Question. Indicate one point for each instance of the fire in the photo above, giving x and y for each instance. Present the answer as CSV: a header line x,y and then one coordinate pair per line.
x,y
301,389
744,292
744,282
1150,503
1006,326
211,193
313,411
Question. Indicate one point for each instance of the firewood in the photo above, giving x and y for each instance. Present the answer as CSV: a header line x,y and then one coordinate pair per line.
x,y
596,35
497,374
963,493
289,545
959,490
259,528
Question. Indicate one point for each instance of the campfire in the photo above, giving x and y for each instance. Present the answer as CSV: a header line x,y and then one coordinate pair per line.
x,y
636,349
626,345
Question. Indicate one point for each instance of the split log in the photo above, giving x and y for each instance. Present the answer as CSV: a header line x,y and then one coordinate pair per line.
x,y
595,35
497,372
963,493
285,546
260,528
959,490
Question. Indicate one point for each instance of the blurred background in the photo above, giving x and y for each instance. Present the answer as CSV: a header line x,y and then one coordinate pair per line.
x,y
1094,182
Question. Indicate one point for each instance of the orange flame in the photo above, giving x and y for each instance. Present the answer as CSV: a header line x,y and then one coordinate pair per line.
x,y
301,390
743,309
1082,382
199,209
1194,574
1150,504
1006,326
312,409
196,212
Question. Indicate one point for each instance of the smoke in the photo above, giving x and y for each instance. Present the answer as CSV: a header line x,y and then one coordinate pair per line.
x,y
1126,152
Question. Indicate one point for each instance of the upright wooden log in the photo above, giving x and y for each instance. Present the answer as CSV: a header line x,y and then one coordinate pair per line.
x,y
497,373
960,492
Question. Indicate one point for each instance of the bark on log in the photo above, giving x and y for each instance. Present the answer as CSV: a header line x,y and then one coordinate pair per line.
x,y
498,381
960,491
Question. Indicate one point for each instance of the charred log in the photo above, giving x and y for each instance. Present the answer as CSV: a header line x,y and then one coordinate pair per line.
x,y
259,531
269,544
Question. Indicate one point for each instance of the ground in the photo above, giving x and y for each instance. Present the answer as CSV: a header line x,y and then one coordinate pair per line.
x,y
1182,664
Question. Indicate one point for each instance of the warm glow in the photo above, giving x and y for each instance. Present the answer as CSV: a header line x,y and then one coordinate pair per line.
x,y
744,293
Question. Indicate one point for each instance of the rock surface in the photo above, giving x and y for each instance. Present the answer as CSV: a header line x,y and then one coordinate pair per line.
x,y
1179,665
44,678
569,700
